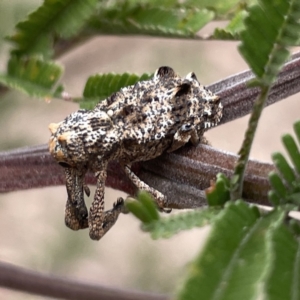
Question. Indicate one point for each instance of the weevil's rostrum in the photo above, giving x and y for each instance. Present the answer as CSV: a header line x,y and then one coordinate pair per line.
x,y
137,123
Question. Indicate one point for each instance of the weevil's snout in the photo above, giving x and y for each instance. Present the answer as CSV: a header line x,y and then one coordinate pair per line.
x,y
58,143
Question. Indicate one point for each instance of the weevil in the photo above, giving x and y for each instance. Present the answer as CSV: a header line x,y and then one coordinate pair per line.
x,y
137,123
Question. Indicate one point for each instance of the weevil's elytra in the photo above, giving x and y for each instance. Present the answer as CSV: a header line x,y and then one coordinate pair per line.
x,y
137,123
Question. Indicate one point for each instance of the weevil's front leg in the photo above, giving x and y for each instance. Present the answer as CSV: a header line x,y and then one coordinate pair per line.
x,y
76,214
160,198
185,134
101,221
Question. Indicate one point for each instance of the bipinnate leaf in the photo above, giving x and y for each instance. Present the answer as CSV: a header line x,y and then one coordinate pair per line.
x,y
33,76
271,27
237,260
62,18
100,86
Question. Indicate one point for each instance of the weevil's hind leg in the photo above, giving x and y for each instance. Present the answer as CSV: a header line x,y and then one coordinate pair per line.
x,y
160,198
101,221
76,214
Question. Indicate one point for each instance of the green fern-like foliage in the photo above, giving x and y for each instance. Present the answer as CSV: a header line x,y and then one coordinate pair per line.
x,y
54,20
62,18
285,182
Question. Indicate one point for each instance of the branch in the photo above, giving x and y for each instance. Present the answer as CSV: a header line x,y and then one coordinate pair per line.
x,y
33,167
20,279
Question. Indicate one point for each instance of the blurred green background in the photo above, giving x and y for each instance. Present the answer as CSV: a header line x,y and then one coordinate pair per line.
x,y
32,230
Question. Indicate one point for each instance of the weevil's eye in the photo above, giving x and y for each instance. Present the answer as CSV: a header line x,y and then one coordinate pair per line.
x,y
64,165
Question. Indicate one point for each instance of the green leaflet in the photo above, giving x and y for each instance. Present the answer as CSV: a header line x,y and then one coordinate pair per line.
x,y
100,86
218,194
33,76
143,208
63,18
237,258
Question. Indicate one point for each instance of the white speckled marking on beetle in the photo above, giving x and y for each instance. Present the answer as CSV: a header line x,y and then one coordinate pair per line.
x,y
137,123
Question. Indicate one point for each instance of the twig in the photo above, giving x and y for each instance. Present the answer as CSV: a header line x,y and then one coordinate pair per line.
x,y
20,279
186,173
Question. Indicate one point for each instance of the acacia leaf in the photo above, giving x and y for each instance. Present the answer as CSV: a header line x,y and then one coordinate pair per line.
x,y
270,28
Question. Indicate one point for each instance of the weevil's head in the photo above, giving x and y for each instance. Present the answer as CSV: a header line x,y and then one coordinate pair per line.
x,y
66,141
80,139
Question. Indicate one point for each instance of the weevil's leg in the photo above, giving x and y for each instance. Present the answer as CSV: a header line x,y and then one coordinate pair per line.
x,y
160,198
195,137
101,221
76,212
71,217
185,134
